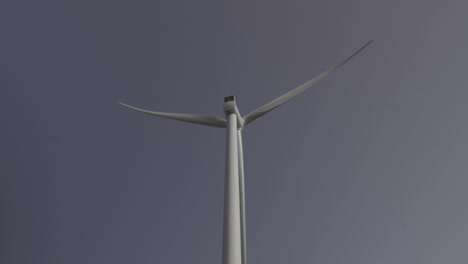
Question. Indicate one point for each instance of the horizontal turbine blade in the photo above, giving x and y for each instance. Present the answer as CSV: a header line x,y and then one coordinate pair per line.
x,y
296,91
207,120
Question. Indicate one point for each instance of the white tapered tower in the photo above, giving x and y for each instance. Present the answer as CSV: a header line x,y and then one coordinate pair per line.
x,y
234,230
232,233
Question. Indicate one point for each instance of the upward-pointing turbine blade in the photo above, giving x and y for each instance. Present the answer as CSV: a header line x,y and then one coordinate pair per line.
x,y
207,120
296,91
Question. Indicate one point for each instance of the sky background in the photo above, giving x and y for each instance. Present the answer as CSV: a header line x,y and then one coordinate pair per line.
x,y
368,166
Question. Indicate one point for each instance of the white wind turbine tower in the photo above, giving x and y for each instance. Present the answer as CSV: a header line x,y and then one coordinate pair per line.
x,y
234,239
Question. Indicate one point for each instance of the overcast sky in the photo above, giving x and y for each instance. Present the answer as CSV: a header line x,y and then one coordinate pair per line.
x,y
368,166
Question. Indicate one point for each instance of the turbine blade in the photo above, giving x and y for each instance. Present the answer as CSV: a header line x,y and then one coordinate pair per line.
x,y
207,120
296,91
242,197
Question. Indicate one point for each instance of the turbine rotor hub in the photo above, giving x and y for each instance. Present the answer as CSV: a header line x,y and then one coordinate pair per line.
x,y
230,107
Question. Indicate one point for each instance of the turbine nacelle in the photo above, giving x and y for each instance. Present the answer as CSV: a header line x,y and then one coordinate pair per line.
x,y
230,107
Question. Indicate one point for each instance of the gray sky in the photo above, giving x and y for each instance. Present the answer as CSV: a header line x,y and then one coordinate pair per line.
x,y
369,166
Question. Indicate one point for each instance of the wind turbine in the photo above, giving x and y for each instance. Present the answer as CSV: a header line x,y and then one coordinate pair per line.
x,y
234,234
